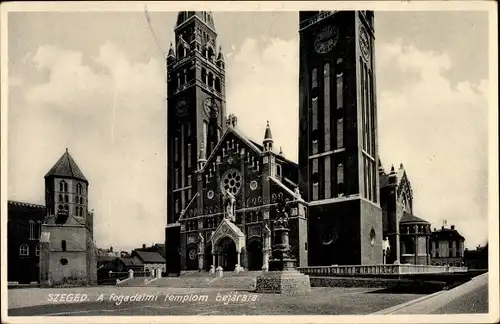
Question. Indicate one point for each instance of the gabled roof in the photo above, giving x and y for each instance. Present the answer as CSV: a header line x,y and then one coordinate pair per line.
x,y
409,218
131,261
66,167
239,135
149,257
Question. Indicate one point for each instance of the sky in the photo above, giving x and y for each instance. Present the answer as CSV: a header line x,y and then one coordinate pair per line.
x,y
93,82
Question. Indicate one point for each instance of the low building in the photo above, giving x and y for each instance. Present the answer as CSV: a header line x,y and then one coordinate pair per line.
x,y
23,241
414,236
160,248
447,247
476,259
151,260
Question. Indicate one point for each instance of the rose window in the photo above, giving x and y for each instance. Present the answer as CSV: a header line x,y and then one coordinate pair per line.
x,y
231,180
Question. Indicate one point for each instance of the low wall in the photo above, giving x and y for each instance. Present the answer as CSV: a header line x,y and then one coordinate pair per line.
x,y
352,282
379,270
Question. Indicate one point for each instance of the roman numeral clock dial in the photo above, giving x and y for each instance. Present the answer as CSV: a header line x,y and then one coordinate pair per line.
x,y
211,107
326,40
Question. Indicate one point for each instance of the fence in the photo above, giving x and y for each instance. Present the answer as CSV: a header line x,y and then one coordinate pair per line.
x,y
383,269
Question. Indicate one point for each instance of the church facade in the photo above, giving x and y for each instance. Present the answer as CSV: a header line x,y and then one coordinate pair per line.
x,y
223,187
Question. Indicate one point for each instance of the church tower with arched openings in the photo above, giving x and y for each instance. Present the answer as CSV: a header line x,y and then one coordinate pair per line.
x,y
196,109
67,252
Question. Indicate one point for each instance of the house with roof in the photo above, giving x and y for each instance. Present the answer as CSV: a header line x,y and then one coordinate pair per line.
x,y
151,261
447,247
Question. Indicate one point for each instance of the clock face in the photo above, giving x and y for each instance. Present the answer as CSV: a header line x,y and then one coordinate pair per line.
x,y
211,107
326,40
364,44
181,108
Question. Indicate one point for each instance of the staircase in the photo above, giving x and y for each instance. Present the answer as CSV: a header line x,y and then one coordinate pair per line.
x,y
240,281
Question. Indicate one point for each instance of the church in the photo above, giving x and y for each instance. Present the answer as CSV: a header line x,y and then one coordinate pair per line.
x,y
223,187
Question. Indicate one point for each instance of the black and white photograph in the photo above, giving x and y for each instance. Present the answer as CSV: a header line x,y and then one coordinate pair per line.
x,y
291,162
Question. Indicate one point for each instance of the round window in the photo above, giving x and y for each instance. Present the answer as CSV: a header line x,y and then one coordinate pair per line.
x,y
210,194
231,180
372,237
253,185
192,254
64,261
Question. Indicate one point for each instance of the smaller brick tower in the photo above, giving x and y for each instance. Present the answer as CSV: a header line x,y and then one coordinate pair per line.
x,y
67,252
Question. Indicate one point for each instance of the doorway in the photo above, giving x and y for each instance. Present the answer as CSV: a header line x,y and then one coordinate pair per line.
x,y
228,255
254,255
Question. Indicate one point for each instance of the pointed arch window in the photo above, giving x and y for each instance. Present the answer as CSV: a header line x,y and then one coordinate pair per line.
x,y
340,83
81,200
60,197
210,79
340,179
24,250
326,103
66,198
63,186
314,80
37,250
204,75
32,229
176,149
340,133
63,245
217,84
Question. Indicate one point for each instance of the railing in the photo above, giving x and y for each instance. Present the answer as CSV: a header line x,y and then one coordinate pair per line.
x,y
146,274
383,269
109,278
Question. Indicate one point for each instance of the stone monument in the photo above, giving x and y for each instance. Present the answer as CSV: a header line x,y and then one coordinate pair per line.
x,y
283,277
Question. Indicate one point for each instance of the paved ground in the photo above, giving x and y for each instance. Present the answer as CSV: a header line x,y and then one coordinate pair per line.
x,y
468,298
321,301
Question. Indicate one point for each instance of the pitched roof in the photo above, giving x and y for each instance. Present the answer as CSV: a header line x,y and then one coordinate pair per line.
x,y
409,218
66,167
24,204
150,257
131,261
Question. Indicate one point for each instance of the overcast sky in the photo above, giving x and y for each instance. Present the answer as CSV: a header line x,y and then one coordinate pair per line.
x,y
94,83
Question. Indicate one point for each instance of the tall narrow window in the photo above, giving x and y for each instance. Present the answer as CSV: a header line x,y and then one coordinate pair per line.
x,y
177,206
24,250
189,180
328,178
210,80
60,197
315,179
37,250
204,75
340,133
340,179
178,80
218,134
278,170
176,180
32,230
314,82
205,129
63,245
185,76
340,83
61,186
66,198
176,149
189,155
372,110
326,86
363,106
189,195
81,200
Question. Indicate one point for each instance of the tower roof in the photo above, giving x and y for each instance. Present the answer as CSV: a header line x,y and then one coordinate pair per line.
x,y
66,167
205,16
268,136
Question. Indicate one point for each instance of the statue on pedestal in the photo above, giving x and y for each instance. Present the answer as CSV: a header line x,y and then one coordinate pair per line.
x,y
230,206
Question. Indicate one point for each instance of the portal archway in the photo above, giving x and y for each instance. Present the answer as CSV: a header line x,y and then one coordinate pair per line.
x,y
191,257
254,255
228,257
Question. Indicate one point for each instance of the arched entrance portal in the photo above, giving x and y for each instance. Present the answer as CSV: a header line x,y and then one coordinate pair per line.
x,y
227,254
254,255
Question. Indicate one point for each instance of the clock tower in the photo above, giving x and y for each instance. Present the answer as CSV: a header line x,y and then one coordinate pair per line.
x,y
195,112
338,144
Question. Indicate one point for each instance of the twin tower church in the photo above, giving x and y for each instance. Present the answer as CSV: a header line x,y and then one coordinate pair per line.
x,y
223,187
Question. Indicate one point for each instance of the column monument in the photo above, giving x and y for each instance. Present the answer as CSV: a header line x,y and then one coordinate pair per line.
x,y
283,277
